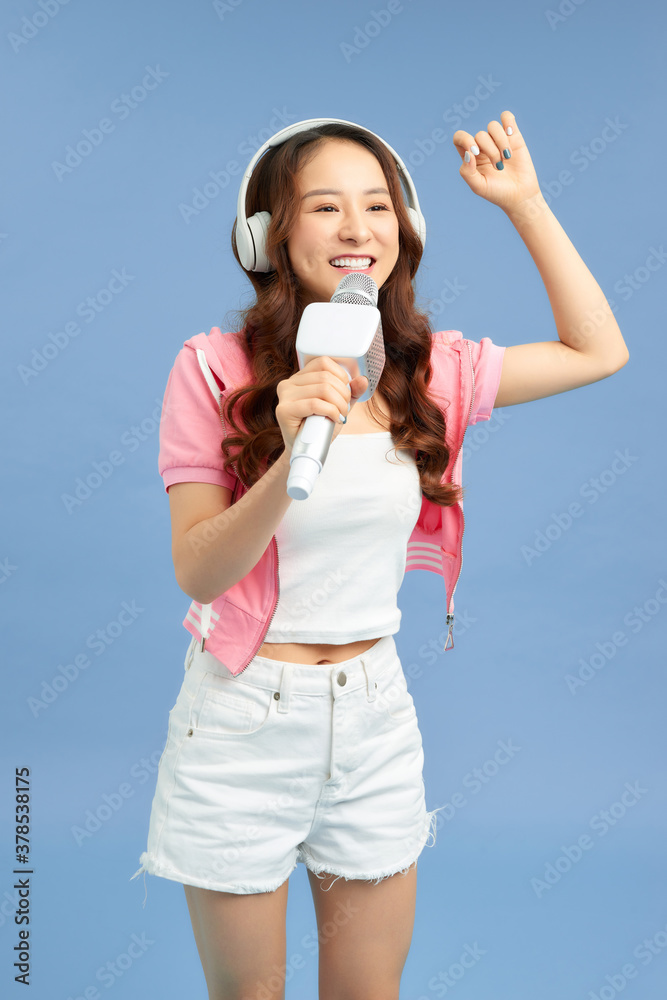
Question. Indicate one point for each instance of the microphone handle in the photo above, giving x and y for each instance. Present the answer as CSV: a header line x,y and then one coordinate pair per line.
x,y
309,452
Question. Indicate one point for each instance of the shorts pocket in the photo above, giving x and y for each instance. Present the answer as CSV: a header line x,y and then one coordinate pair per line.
x,y
392,697
224,707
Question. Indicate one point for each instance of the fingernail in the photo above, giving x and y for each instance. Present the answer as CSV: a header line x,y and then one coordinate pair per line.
x,y
500,165
509,130
349,407
506,154
467,157
342,419
475,149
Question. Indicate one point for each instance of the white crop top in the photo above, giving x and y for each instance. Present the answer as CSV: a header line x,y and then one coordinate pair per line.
x,y
342,551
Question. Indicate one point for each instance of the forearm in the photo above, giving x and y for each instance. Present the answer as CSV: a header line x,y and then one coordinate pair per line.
x,y
219,551
582,315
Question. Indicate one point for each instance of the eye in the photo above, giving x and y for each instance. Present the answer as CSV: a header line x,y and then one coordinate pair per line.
x,y
325,208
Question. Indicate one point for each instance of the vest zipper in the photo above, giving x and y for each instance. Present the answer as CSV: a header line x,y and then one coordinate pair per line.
x,y
205,623
221,411
275,541
450,617
254,654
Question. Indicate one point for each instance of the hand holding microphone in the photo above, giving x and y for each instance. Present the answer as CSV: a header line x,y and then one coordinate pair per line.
x,y
335,339
321,387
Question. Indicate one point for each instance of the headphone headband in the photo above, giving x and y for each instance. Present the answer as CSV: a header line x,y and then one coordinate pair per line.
x,y
251,233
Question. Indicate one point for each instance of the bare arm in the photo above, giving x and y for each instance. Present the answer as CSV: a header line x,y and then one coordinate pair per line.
x,y
215,544
590,345
498,167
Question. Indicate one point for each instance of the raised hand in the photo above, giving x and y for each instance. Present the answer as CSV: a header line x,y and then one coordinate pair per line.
x,y
504,180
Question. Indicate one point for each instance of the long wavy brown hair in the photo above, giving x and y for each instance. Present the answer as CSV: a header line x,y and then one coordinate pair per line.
x,y
270,326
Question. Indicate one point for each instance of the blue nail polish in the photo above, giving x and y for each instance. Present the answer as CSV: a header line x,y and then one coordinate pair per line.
x,y
500,165
506,154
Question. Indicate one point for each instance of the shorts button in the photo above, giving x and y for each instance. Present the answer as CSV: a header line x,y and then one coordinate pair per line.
x,y
342,678
189,732
276,695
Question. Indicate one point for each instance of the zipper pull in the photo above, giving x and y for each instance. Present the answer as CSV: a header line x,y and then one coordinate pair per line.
x,y
450,623
205,623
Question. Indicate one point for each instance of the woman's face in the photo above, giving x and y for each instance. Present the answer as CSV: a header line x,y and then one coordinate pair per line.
x,y
345,212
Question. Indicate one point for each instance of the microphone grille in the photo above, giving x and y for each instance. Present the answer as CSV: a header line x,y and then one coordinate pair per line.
x,y
356,290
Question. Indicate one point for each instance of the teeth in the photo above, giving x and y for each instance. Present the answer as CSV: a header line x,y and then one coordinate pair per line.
x,y
359,262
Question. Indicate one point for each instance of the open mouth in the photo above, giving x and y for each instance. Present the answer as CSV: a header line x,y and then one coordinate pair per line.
x,y
352,263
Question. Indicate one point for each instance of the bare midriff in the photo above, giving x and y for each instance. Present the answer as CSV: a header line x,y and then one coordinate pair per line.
x,y
315,653
360,421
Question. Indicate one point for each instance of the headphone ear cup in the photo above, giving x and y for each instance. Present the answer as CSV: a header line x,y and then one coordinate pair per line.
x,y
258,226
244,244
418,224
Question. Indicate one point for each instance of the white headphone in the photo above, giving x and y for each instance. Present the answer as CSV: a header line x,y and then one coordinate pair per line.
x,y
251,233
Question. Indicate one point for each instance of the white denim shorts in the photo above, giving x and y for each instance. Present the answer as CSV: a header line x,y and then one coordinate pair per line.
x,y
287,762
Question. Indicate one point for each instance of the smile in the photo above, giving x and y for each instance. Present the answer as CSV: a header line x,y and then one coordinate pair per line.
x,y
353,263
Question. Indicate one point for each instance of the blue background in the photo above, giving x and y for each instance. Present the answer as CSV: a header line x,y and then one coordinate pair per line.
x,y
525,625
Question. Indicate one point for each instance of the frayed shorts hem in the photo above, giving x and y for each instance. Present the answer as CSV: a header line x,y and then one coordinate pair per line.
x,y
152,866
323,870
402,867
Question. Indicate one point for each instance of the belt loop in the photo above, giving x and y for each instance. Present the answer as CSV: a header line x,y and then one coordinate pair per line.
x,y
285,687
371,683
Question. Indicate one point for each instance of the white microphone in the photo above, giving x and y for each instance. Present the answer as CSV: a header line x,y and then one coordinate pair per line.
x,y
350,326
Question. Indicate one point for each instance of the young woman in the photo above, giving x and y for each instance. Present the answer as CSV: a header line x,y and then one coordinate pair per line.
x,y
294,737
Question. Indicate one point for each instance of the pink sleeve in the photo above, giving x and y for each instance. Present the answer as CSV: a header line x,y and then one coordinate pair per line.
x,y
190,428
487,359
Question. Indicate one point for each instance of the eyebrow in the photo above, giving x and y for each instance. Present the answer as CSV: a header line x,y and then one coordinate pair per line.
x,y
318,191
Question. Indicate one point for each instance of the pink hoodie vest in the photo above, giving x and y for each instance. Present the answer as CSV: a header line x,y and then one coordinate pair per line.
x,y
464,384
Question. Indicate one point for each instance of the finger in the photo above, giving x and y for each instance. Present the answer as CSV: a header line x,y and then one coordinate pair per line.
x,y
335,373
465,143
308,385
503,142
360,385
488,146
322,362
335,392
514,135
342,370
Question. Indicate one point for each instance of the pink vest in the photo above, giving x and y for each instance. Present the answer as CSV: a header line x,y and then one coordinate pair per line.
x,y
463,385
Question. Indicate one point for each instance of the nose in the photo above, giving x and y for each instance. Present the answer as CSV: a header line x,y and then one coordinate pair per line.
x,y
354,225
